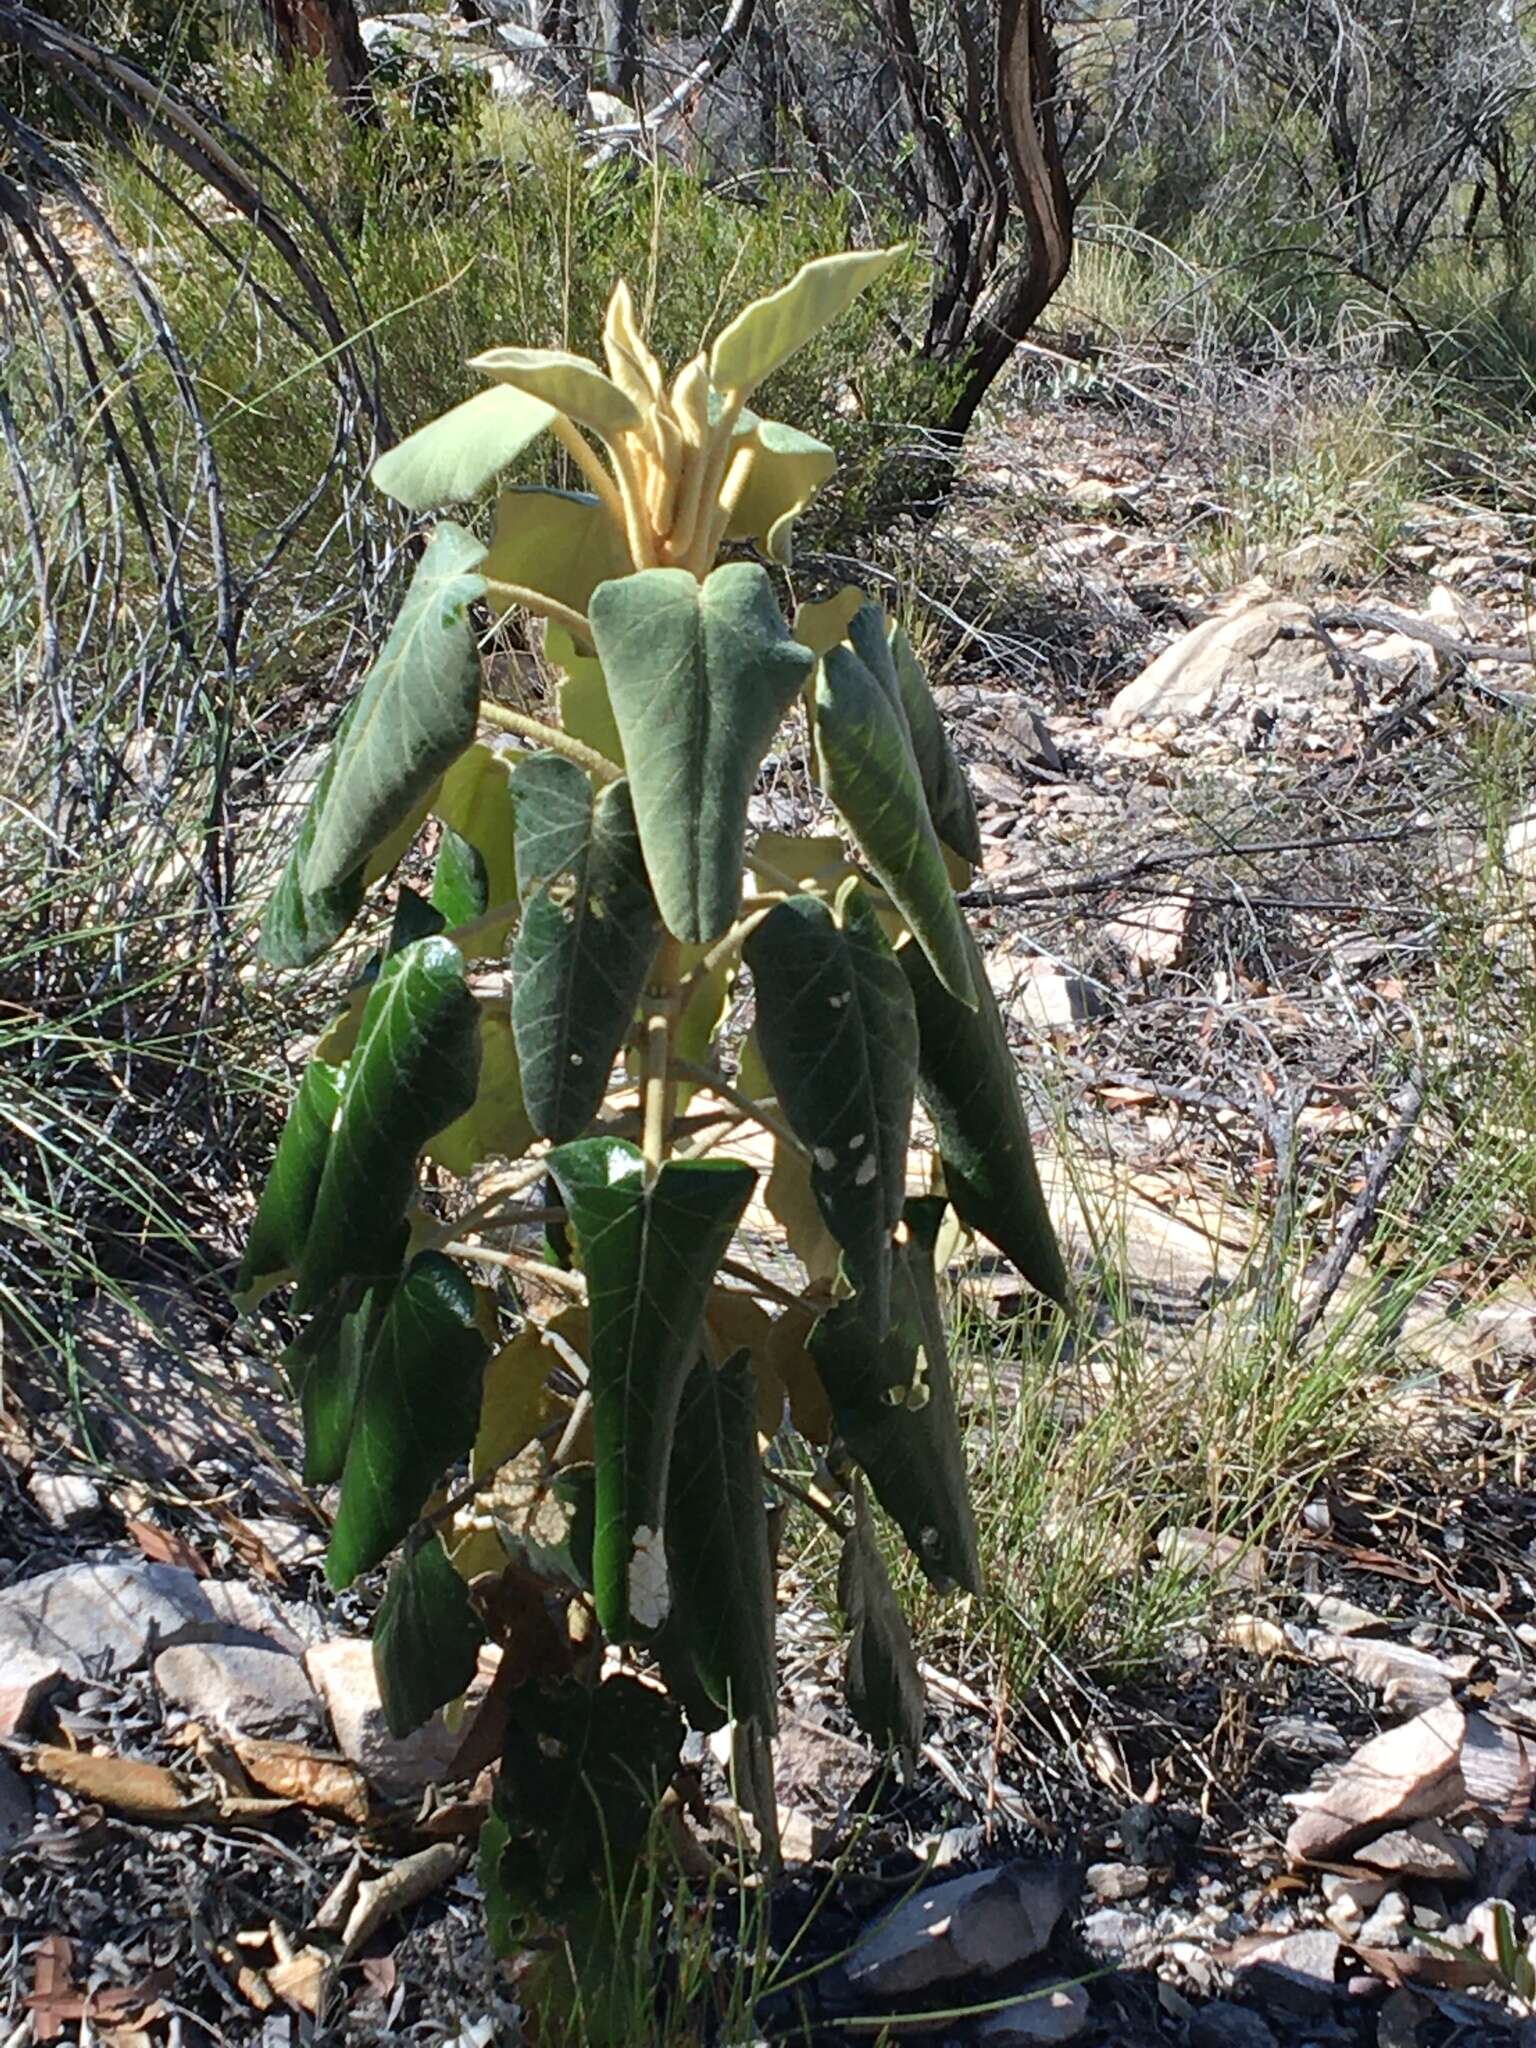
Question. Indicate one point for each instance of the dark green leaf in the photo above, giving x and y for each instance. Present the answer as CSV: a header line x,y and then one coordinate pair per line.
x,y
327,1368
869,771
416,1412
838,1034
885,1691
414,1071
502,1911
894,1407
276,1243
426,1637
950,803
717,1542
582,1771
588,934
460,890
415,714
699,676
969,1087
649,1254
415,918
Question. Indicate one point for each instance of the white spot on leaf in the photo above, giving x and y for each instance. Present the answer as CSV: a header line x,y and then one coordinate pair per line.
x,y
867,1169
650,1594
825,1158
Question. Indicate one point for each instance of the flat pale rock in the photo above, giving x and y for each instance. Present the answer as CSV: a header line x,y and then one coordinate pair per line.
x,y
1254,651
1409,1773
240,1689
971,1926
249,1614
88,1616
341,1672
64,1498
1295,1973
1498,1768
26,1679
1057,2014
1423,1849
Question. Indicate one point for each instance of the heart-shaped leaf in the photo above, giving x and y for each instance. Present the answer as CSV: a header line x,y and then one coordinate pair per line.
x,y
768,332
787,469
869,771
838,1034
649,1254
562,543
894,1406
496,1125
699,676
717,1543
573,385
426,1638
276,1243
414,1071
969,1087
950,803
885,1689
456,456
588,934
417,1407
415,714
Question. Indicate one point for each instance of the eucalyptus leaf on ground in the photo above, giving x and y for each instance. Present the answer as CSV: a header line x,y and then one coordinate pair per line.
x,y
649,1254
426,1637
699,676
837,1031
414,1071
588,934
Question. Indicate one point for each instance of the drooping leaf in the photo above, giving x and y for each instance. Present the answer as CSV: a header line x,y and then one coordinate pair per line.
x,y
562,543
326,1367
950,803
456,456
787,469
582,1770
649,1254
822,624
276,1243
788,1196
426,1638
586,711
414,1071
893,1403
496,1125
417,1407
699,676
588,934
460,892
476,802
415,714
969,1086
515,1402
838,1034
869,771
572,384
768,332
502,1911
717,1542
885,1689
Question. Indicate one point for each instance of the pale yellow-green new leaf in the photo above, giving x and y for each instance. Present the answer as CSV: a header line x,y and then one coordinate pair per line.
x,y
495,1126
822,625
456,455
475,800
515,1403
560,543
768,332
817,862
586,711
573,385
786,470
630,362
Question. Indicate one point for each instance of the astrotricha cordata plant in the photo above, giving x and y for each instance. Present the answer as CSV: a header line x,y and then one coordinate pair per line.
x,y
539,1349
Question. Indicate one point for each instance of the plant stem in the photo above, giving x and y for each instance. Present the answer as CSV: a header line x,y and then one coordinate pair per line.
x,y
573,1284
760,1285
822,1509
575,623
552,737
730,942
656,1088
757,1112
589,462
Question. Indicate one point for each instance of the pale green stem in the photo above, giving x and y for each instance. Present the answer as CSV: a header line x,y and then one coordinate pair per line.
x,y
731,942
757,1112
551,736
656,1088
588,461
481,927
575,623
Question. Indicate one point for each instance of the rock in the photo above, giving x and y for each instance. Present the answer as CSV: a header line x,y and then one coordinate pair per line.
x,y
971,1926
1057,2014
1304,1735
1294,1972
16,1815
1315,558
1404,1677
1349,1900
1384,1928
1115,1881
1153,937
288,1542
250,1615
1411,1772
1252,654
1046,997
85,1618
64,1498
341,1671
1343,1617
1112,1932
1423,1849
240,1690
817,1768
1222,2024
1498,1768
1402,2019
26,1679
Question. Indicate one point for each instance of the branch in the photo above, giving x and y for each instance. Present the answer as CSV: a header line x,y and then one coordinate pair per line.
x,y
738,18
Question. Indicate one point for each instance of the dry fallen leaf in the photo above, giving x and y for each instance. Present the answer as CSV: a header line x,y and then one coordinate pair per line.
x,y
301,1979
142,1791
164,1546
52,1986
381,1898
289,1771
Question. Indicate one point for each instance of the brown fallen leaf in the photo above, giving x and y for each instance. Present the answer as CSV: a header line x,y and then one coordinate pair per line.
x,y
302,1979
142,1791
381,1898
289,1771
380,1974
1403,1970
247,1545
164,1546
52,1986
254,1988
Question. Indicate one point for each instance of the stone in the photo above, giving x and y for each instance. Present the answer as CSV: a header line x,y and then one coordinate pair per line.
x,y
1043,995
1315,558
1114,1881
1384,1928
819,1768
1255,651
64,1498
288,1543
1221,2024
1404,1677
16,1810
1153,937
26,1679
1113,1932
89,1617
1410,1772
1057,2014
240,1689
248,1614
1498,1768
1217,1557
971,1926
1293,1972
1424,1849
341,1672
